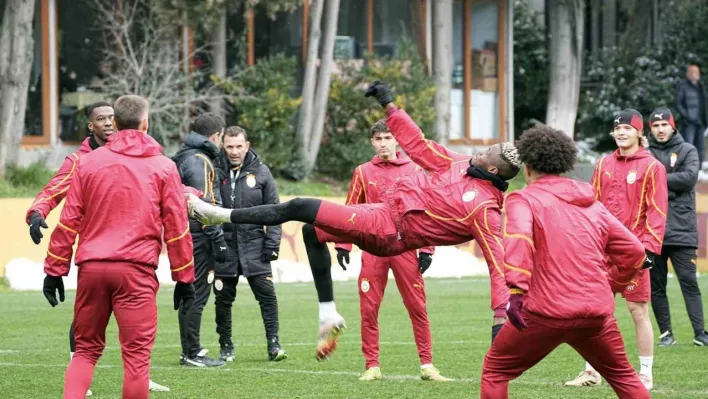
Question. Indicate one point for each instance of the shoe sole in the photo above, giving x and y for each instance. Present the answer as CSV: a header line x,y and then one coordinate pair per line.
x,y
698,343
189,363
671,344
279,357
326,346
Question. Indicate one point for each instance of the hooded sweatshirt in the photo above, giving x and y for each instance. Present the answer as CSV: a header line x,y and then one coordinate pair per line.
x,y
556,240
122,197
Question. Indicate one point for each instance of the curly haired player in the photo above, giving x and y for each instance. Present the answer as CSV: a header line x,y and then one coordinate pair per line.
x,y
556,240
460,200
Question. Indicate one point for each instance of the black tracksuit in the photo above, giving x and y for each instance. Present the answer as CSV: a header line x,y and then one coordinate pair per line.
x,y
195,164
248,244
681,238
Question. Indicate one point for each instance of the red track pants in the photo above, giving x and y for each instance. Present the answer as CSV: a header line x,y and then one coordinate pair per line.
x,y
599,342
128,290
372,284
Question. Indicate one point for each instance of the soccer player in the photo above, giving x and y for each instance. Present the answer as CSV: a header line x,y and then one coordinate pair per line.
x,y
632,186
556,240
121,240
461,200
100,125
681,238
368,185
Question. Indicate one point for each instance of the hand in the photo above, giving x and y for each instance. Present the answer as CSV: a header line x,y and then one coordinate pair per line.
x,y
184,296
220,249
269,255
424,261
342,257
649,261
52,284
379,90
37,221
514,312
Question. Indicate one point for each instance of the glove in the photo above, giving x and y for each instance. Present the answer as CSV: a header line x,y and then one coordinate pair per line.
x,y
184,295
379,90
269,255
424,261
649,261
342,257
221,250
37,221
514,312
52,284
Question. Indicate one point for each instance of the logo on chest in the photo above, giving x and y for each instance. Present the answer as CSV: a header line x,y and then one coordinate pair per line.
x,y
674,157
631,177
251,180
469,196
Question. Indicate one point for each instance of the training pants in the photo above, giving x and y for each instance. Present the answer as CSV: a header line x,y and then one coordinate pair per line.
x,y
190,322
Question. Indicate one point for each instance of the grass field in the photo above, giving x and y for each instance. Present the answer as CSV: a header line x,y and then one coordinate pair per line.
x,y
34,350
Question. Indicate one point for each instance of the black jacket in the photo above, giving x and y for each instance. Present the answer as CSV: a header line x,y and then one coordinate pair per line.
x,y
254,185
691,103
195,163
681,162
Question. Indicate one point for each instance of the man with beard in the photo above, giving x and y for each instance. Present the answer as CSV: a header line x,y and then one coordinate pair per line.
x,y
247,182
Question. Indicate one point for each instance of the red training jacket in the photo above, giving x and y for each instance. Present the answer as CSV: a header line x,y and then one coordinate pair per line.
x,y
447,207
122,196
370,179
54,192
634,189
556,240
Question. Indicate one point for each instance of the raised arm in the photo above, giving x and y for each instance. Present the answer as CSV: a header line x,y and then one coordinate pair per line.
x,y
518,244
486,230
173,211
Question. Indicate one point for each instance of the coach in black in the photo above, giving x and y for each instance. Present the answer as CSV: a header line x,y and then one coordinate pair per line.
x,y
195,162
247,182
681,238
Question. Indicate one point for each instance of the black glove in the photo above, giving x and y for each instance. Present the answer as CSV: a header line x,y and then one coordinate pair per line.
x,y
269,255
424,261
53,284
649,261
36,221
184,295
220,249
342,257
379,90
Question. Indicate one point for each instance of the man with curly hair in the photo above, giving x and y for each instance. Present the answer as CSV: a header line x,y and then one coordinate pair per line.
x,y
460,200
557,238
631,184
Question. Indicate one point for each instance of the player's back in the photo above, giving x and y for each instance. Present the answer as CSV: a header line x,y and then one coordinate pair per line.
x,y
570,236
121,185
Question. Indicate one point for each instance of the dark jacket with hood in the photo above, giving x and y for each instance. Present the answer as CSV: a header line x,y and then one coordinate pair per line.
x,y
681,162
691,102
253,186
195,163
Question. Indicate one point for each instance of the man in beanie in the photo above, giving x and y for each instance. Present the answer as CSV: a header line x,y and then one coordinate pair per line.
x,y
681,238
632,186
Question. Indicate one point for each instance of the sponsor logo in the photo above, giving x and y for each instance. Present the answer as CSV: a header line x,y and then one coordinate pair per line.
x,y
674,157
351,219
251,180
365,285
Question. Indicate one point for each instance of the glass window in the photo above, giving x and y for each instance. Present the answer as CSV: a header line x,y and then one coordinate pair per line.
x,y
457,97
351,39
33,110
394,20
484,96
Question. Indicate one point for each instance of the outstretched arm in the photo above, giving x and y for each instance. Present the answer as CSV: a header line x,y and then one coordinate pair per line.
x,y
54,192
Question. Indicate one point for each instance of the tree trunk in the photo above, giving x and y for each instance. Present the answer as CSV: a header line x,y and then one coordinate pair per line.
x,y
304,126
323,84
566,23
16,54
442,65
218,59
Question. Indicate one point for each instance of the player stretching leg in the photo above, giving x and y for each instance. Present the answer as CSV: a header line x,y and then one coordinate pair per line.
x,y
557,237
631,184
460,204
100,125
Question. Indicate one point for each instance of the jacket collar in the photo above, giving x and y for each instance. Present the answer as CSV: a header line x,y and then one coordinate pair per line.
x,y
401,159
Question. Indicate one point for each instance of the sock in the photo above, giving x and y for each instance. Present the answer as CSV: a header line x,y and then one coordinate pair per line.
x,y
298,209
327,309
426,366
588,367
495,331
320,263
646,362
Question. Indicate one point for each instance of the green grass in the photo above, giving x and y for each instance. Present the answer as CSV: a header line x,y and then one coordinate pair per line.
x,y
459,316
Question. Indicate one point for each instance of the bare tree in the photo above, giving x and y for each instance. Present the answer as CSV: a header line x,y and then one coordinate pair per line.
x,y
566,23
16,55
442,65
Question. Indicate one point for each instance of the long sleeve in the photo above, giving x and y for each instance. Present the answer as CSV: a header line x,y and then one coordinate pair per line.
x,y
430,155
54,192
356,195
487,232
624,250
686,177
199,173
596,181
270,197
519,249
173,211
657,200
60,251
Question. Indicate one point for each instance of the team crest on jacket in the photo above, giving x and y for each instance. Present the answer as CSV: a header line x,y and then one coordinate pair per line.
x,y
365,285
251,180
210,277
631,177
469,196
674,157
218,285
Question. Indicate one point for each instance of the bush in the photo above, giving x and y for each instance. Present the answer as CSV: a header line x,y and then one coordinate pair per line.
x,y
24,181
